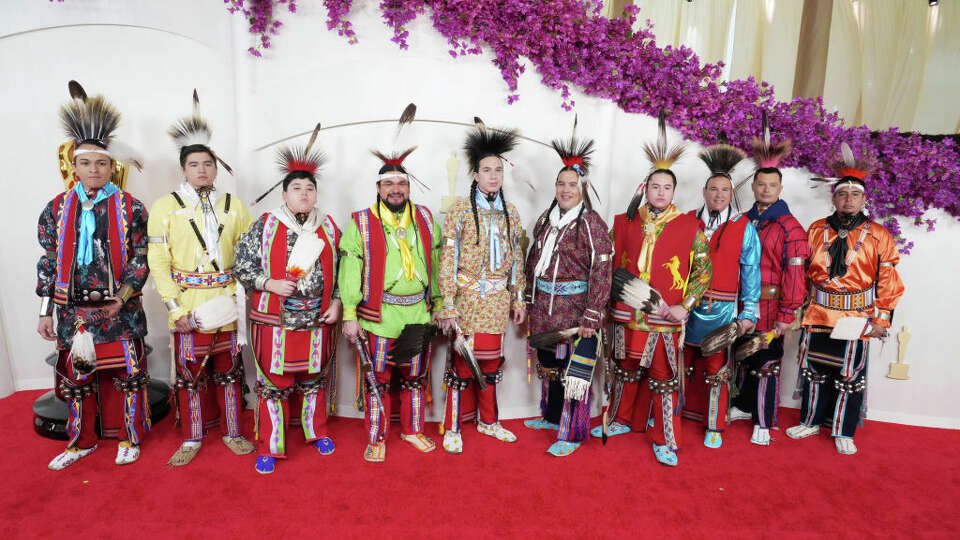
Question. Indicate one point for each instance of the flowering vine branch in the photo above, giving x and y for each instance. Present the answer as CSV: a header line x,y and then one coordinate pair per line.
x,y
571,45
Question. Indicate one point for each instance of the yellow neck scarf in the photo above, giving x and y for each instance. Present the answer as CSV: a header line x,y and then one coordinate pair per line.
x,y
651,224
400,236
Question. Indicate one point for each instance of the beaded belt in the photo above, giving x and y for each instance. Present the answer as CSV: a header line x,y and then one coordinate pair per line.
x,y
562,288
195,280
721,296
490,286
302,304
403,300
845,301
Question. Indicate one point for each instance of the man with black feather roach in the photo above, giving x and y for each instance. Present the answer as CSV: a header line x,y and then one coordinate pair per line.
x,y
192,234
482,283
93,269
733,294
288,258
568,274
388,280
784,248
660,245
855,286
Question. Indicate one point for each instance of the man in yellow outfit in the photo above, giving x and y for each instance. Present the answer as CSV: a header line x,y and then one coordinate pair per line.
x,y
192,232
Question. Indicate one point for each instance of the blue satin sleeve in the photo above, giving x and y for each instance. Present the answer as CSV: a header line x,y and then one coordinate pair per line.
x,y
750,274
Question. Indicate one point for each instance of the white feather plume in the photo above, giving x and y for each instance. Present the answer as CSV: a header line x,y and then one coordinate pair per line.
x,y
847,154
125,154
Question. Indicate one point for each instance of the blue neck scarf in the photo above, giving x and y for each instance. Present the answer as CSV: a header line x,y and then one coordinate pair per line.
x,y
495,248
777,209
88,223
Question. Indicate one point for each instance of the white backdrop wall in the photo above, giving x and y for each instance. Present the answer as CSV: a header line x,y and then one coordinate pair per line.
x,y
148,59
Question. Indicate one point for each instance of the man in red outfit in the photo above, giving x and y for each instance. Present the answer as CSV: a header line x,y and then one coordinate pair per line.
x,y
784,250
733,294
665,248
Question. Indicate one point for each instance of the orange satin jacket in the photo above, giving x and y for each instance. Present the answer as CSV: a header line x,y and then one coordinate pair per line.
x,y
873,265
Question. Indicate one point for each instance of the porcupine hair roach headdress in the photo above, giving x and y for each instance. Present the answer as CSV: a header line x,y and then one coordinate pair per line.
x,y
661,156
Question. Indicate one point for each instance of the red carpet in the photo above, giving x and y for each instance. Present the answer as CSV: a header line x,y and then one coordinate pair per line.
x,y
905,481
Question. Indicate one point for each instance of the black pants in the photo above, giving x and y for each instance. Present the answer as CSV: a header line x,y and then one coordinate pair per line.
x,y
759,395
836,382
551,402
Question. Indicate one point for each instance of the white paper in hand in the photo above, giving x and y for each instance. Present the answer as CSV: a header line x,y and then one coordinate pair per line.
x,y
849,328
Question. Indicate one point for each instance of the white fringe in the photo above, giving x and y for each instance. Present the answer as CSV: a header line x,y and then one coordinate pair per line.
x,y
575,388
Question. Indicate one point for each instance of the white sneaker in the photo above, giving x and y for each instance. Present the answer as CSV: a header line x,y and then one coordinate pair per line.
x,y
68,457
802,432
735,414
496,430
453,442
761,436
127,453
845,445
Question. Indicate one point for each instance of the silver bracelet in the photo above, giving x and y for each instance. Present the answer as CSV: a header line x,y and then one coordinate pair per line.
x,y
261,283
46,306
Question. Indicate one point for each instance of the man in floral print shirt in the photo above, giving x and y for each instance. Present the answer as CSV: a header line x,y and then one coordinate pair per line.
x,y
93,268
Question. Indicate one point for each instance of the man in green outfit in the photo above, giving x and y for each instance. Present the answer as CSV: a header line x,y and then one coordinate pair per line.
x,y
388,279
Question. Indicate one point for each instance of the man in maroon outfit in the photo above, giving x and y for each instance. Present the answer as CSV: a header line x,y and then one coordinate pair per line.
x,y
784,251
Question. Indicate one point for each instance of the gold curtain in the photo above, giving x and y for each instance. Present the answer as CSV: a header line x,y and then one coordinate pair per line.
x,y
766,40
702,26
877,62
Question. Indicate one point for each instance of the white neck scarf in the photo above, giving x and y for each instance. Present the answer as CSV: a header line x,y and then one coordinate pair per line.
x,y
308,246
289,219
557,223
210,226
709,228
